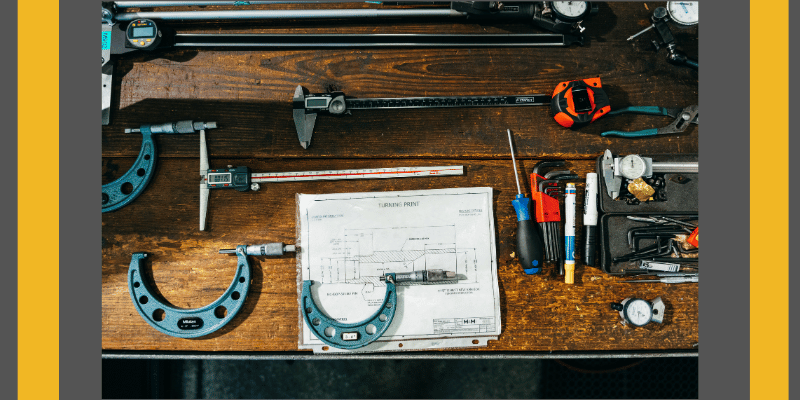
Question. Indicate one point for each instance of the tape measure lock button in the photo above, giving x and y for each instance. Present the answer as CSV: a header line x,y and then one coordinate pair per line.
x,y
581,100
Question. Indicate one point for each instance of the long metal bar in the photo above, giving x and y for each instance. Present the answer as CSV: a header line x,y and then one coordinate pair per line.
x,y
269,40
686,167
447,102
348,174
287,14
153,4
471,355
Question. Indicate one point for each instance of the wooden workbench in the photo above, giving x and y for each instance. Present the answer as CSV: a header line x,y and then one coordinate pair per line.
x,y
248,93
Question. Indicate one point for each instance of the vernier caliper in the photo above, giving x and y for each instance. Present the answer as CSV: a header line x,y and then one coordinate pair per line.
x,y
307,106
241,179
635,166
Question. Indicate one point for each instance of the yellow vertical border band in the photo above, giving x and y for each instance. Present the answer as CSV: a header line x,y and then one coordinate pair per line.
x,y
37,210
769,226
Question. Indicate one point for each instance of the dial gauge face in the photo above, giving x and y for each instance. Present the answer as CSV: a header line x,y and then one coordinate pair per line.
x,y
572,9
638,312
683,12
632,167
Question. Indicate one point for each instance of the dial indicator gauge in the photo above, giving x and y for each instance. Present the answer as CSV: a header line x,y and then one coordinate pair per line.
x,y
683,12
632,167
638,312
570,10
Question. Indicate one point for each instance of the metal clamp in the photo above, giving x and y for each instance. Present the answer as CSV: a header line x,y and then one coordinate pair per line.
x,y
354,335
189,323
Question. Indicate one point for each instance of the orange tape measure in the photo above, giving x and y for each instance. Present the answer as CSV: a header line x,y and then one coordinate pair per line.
x,y
579,102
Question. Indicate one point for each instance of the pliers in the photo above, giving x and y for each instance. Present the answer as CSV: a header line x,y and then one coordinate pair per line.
x,y
683,117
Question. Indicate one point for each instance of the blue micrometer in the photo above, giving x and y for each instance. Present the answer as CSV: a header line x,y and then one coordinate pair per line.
x,y
359,334
193,323
129,186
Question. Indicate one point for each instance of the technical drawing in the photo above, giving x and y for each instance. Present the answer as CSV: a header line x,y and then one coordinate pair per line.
x,y
367,254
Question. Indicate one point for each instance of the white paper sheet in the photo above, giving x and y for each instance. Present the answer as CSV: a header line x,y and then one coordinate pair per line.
x,y
348,241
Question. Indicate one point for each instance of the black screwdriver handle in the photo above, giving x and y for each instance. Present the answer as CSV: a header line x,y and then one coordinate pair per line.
x,y
529,247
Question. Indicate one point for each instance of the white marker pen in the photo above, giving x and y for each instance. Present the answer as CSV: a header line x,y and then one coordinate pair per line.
x,y
590,218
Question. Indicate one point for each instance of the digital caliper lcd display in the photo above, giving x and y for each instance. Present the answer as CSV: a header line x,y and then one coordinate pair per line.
x,y
219,178
316,102
143,32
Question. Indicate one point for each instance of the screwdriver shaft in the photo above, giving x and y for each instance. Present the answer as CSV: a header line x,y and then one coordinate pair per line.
x,y
513,161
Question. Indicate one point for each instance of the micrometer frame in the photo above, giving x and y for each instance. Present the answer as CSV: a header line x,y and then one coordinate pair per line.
x,y
138,176
188,323
319,323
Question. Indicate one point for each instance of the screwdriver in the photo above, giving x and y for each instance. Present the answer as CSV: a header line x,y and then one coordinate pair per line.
x,y
529,244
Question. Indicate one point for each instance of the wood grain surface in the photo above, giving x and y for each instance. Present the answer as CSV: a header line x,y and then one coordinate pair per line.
x,y
248,93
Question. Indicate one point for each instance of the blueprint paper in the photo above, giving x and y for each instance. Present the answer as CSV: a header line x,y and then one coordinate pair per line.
x,y
348,241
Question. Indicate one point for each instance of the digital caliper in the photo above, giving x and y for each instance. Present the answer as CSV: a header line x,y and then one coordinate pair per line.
x,y
145,31
242,179
307,106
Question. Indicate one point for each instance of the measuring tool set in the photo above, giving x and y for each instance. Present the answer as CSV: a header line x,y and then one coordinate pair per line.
x,y
125,32
639,216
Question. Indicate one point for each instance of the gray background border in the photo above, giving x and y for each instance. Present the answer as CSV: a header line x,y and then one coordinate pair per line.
x,y
8,163
724,370
794,170
80,225
724,200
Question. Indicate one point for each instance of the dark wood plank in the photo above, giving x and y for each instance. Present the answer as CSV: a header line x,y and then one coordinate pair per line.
x,y
248,93
539,313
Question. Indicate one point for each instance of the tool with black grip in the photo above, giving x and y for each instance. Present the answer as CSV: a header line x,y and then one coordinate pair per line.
x,y
529,244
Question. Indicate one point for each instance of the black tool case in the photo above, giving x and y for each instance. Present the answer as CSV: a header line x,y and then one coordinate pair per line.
x,y
613,224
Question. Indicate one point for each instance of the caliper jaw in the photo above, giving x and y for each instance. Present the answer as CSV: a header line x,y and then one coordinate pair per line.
x,y
303,122
306,107
613,183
